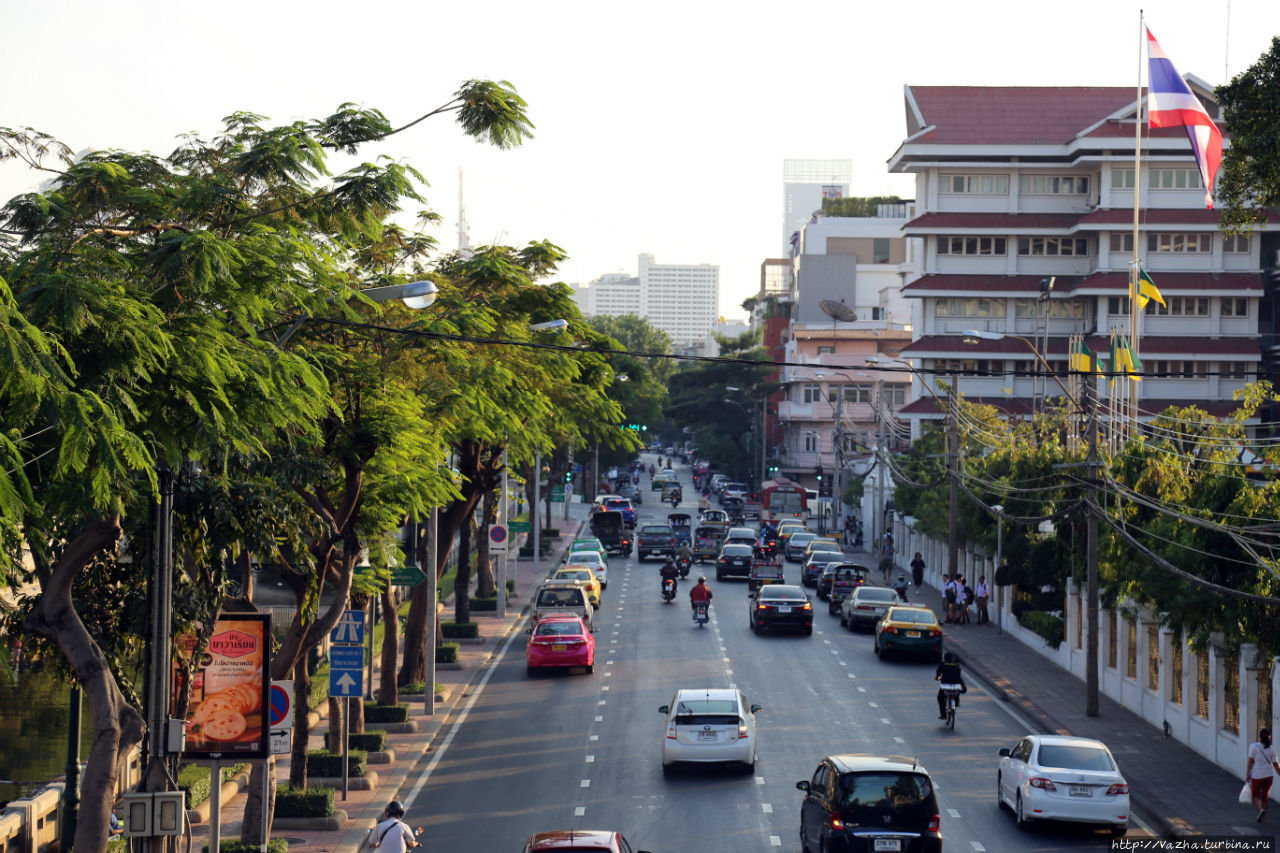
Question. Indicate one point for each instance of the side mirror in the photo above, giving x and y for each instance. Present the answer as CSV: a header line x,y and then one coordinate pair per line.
x,y
1003,752
803,786
755,708
664,709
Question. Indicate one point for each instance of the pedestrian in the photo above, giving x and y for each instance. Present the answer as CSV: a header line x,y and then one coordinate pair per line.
x,y
966,599
1261,771
917,571
392,834
886,558
950,597
981,596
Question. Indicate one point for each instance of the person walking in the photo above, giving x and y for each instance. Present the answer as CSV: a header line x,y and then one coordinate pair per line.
x,y
982,595
917,571
886,558
1261,772
951,598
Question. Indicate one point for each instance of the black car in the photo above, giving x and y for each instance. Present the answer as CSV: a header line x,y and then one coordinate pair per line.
x,y
734,561
817,564
656,539
855,803
781,606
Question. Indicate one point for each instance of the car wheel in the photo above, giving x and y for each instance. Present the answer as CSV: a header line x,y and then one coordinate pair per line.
x,y
1023,821
667,769
529,670
1119,830
999,793
719,575
755,628
808,630
591,668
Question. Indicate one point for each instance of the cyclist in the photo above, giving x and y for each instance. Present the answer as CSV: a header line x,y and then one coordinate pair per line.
x,y
948,673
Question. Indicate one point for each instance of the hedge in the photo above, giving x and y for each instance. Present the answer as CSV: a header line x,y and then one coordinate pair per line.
x,y
193,781
375,713
1046,625
328,765
235,845
455,630
448,653
303,802
484,605
369,741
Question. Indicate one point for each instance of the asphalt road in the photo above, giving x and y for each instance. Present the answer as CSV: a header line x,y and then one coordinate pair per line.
x,y
582,751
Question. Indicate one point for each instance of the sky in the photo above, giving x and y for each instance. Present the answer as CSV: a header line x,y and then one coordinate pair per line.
x,y
660,128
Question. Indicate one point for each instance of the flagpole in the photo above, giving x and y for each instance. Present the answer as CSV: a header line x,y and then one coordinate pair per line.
x,y
1131,420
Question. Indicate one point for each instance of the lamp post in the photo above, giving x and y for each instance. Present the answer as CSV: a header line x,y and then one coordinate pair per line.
x,y
998,509
972,336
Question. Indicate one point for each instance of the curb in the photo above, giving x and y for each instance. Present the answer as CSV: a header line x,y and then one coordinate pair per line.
x,y
230,788
330,823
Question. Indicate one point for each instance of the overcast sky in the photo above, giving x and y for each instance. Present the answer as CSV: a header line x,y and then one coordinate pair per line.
x,y
661,127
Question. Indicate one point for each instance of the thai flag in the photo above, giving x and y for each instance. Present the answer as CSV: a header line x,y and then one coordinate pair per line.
x,y
1170,103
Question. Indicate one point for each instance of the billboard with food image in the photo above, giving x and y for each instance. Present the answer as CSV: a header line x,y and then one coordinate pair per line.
x,y
226,716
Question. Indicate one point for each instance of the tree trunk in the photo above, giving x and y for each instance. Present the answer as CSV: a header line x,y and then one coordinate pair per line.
x,y
301,708
388,693
486,585
251,828
333,737
462,586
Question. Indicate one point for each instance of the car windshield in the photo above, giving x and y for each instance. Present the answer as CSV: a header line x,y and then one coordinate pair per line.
x,y
1075,757
656,529
558,629
738,550
785,501
782,595
580,574
707,712
875,593
919,617
878,790
799,539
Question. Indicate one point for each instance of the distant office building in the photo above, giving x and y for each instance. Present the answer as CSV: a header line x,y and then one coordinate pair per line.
x,y
680,299
805,183
612,293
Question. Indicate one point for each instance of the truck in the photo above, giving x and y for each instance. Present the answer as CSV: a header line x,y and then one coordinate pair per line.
x,y
611,529
656,539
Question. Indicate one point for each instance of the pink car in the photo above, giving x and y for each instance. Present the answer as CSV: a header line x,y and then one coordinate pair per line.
x,y
561,640
579,840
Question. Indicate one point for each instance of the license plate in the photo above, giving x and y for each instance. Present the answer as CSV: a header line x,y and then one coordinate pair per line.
x,y
888,844
913,633
559,647
1081,791
706,735
784,609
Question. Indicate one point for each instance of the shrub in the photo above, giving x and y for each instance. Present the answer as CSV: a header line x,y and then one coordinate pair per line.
x,y
1046,625
235,845
193,781
511,587
328,765
369,741
374,713
484,605
448,653
456,630
303,802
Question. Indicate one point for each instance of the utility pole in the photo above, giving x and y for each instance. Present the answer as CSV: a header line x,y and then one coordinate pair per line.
x,y
1091,548
953,466
837,485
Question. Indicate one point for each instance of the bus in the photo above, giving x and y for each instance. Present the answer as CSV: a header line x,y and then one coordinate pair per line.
x,y
783,500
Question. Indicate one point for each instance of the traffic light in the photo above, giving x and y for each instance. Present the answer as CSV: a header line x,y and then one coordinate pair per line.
x,y
568,476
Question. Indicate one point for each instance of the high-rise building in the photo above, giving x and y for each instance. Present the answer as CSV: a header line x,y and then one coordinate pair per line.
x,y
613,293
682,300
805,183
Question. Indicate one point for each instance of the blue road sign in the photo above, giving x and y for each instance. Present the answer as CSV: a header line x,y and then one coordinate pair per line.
x,y
346,671
350,628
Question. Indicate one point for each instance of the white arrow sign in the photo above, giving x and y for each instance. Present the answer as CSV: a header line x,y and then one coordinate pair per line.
x,y
347,683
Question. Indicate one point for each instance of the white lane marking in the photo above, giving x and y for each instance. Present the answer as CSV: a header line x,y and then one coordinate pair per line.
x,y
835,651
886,721
609,663
775,841
828,642
862,690
759,780
726,660
953,813
602,701
600,719
607,674
842,663
767,808
606,687
977,846
873,704
898,740
591,759
579,811
728,672
851,675
585,783
595,737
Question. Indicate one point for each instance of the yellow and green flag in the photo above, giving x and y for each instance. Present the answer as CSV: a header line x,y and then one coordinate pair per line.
x,y
1081,357
1129,363
1147,290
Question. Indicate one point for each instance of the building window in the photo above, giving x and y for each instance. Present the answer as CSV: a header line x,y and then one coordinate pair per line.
x,y
854,442
893,395
1198,244
1235,307
855,393
1113,637
972,246
1231,695
1072,309
1235,369
826,350
1131,652
1053,185
1180,306
1122,179
1202,685
1153,657
1175,369
1175,670
1121,242
811,393
971,307
1236,244
1174,179
1117,305
810,442
880,250
981,366
1066,247
979,184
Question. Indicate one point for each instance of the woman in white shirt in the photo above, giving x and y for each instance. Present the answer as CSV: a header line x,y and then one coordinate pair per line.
x,y
1260,771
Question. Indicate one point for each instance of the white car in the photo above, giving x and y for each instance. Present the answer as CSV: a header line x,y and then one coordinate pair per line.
x,y
1054,777
709,726
592,559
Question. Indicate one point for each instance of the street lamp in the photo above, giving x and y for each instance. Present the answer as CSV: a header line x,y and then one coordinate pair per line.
x,y
972,336
998,509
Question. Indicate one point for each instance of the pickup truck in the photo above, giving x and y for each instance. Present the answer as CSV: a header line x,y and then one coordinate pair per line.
x,y
609,527
657,539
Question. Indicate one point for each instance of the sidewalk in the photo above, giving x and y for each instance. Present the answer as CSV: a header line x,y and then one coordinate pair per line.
x,y
1173,788
363,807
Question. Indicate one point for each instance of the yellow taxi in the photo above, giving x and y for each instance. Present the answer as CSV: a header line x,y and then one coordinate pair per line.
x,y
820,544
909,628
786,528
586,575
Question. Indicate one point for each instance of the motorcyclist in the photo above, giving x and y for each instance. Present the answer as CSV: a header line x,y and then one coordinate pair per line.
x,y
900,587
676,497
700,593
684,552
948,672
669,572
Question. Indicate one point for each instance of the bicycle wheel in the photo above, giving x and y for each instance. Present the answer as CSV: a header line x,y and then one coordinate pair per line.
x,y
951,713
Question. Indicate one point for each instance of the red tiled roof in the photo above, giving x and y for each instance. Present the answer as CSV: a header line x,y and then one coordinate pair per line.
x,y
978,284
1154,216
1013,115
1177,281
1151,345
1149,408
1005,223
1006,405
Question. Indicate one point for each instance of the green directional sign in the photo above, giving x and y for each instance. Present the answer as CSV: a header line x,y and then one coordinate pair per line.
x,y
518,526
557,494
406,576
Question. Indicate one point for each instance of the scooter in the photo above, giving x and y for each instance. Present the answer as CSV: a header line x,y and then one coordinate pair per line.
x,y
700,614
668,590
682,563
675,500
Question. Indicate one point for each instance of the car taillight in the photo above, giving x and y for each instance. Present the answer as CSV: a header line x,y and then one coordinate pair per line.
x,y
888,629
1043,783
935,632
836,823
1118,788
742,731
935,823
724,560
762,606
807,606
865,607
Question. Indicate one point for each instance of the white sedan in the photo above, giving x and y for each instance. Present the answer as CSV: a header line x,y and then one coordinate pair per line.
x,y
1054,777
709,726
594,561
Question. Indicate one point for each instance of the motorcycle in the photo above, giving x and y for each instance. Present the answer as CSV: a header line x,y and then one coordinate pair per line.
x,y
675,500
683,563
668,590
701,616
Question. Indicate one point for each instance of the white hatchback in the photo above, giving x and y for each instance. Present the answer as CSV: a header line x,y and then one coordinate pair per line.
x,y
709,726
1055,777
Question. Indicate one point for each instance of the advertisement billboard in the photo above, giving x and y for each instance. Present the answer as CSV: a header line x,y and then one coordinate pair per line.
x,y
226,717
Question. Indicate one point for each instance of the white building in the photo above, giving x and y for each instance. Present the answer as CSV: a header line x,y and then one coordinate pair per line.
x,y
612,293
805,183
682,300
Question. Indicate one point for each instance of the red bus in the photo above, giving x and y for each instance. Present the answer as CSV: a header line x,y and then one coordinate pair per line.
x,y
783,500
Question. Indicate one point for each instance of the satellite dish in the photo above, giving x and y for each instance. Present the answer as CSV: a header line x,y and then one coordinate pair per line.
x,y
837,311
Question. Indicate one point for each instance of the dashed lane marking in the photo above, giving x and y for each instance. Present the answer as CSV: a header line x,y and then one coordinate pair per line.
x,y
873,704
579,811
886,721
775,841
591,759
759,780
955,814
862,690
977,846
585,783
598,718
899,740
767,808
595,737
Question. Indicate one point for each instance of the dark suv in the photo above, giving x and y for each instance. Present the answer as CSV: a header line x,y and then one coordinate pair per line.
x,y
657,539
857,803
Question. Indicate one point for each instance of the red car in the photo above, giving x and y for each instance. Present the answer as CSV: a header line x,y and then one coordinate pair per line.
x,y
574,840
561,640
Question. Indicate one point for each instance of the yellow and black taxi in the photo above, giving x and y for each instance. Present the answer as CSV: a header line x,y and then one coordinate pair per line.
x,y
911,629
584,575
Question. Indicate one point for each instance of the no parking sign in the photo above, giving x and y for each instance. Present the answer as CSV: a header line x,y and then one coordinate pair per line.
x,y
498,535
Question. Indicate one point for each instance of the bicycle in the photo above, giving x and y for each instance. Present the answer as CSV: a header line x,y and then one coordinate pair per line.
x,y
952,692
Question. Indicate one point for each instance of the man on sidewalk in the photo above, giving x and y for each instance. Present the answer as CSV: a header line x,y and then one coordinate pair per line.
x,y
1261,771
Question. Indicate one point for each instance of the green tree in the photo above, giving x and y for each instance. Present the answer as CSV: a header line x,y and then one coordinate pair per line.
x,y
1250,178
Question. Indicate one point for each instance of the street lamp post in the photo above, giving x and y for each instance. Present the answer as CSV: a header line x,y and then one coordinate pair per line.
x,y
998,509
